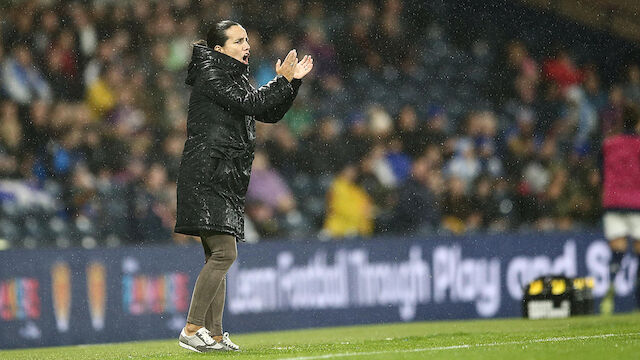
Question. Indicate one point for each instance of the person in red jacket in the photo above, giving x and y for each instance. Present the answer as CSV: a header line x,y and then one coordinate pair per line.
x,y
562,70
621,198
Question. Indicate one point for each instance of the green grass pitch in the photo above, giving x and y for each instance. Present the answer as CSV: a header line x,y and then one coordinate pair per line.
x,y
588,337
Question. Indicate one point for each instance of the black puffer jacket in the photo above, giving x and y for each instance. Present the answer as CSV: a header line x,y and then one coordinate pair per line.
x,y
217,157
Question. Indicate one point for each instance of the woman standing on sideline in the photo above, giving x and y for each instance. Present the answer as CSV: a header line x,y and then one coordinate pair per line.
x,y
216,164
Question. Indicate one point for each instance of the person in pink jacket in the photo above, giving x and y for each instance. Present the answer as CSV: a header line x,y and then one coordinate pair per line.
x,y
621,198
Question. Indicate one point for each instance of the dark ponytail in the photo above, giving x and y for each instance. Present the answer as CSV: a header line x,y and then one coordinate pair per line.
x,y
217,33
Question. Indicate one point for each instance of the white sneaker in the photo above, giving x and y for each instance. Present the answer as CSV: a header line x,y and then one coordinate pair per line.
x,y
201,341
229,345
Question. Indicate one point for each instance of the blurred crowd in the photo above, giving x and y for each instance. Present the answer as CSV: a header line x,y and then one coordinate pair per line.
x,y
396,131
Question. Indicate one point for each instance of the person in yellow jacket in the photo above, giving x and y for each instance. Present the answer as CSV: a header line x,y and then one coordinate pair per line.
x,y
101,94
349,207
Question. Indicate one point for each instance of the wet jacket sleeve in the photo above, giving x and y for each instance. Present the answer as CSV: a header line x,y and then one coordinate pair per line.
x,y
277,113
218,86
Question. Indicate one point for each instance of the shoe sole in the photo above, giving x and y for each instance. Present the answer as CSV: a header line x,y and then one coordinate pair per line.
x,y
189,347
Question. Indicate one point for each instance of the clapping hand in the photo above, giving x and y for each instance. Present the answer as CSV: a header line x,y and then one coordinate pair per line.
x,y
291,69
303,67
288,66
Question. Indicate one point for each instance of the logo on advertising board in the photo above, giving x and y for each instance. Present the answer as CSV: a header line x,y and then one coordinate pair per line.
x,y
153,294
147,294
61,292
97,293
19,299
353,280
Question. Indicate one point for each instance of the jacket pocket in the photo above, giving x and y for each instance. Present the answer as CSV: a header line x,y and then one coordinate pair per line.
x,y
227,151
219,169
213,173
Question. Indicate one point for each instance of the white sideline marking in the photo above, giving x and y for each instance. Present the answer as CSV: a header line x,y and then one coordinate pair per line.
x,y
464,346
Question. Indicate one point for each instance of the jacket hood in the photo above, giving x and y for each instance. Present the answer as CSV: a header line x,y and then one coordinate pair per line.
x,y
204,57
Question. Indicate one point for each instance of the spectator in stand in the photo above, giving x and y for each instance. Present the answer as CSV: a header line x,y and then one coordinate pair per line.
x,y
290,14
322,50
524,102
485,211
269,199
357,43
169,154
576,205
521,142
11,135
632,86
562,70
409,132
378,180
581,115
464,165
22,80
66,152
284,151
324,149
349,208
45,34
81,197
480,134
299,119
101,94
391,30
436,128
398,160
555,201
611,116
126,118
96,66
357,137
490,162
375,165
63,67
524,65
87,34
151,207
456,207
519,67
593,89
417,210
550,109
19,28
